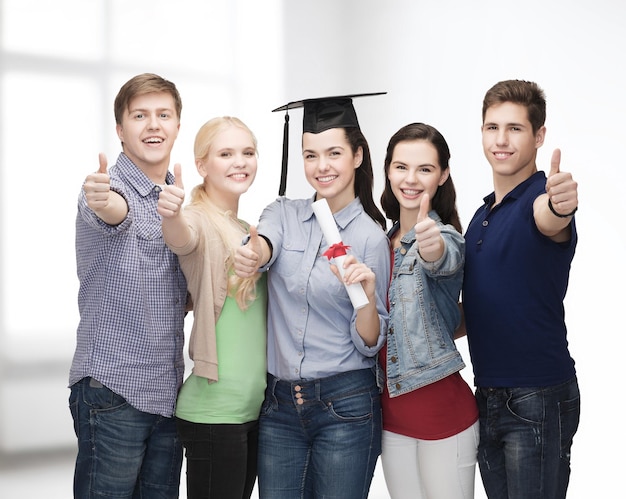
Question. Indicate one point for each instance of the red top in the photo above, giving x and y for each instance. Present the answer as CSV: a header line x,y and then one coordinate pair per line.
x,y
439,410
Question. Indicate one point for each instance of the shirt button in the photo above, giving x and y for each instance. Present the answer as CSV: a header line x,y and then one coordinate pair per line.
x,y
485,223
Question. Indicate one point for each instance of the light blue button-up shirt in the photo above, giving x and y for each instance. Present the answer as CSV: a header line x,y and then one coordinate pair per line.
x,y
311,321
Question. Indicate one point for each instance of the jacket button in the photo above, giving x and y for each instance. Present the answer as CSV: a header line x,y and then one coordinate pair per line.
x,y
390,331
398,385
394,359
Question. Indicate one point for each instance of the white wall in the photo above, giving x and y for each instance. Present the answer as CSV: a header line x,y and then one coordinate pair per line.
x,y
435,60
61,65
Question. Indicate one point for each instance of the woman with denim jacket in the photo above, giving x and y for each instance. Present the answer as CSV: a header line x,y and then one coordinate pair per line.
x,y
430,418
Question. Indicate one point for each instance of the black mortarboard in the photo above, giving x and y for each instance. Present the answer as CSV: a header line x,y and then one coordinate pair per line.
x,y
320,114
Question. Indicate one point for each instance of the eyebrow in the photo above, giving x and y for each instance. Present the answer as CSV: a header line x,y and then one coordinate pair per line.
x,y
325,150
488,123
421,165
144,110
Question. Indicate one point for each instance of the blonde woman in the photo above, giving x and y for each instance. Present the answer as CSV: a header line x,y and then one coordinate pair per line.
x,y
218,405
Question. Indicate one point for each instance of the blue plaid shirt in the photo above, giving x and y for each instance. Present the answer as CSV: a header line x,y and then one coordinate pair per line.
x,y
131,298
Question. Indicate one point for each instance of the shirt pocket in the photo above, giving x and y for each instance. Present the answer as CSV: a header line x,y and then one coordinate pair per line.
x,y
410,281
152,250
148,229
290,259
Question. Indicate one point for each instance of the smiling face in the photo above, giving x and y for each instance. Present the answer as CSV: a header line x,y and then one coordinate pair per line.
x,y
329,166
413,171
509,143
229,167
148,131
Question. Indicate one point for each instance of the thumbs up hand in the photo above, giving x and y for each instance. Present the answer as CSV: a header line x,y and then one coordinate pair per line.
x,y
248,258
427,234
97,186
171,198
561,188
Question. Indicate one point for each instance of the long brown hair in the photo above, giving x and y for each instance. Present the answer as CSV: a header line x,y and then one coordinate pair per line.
x,y
364,176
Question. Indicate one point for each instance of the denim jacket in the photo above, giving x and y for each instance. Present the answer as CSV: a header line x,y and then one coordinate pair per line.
x,y
424,312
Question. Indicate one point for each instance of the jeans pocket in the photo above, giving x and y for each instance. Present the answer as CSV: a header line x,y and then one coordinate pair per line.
x,y
73,406
269,405
526,405
569,416
353,407
101,398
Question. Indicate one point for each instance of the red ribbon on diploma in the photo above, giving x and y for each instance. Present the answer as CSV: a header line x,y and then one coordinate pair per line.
x,y
337,249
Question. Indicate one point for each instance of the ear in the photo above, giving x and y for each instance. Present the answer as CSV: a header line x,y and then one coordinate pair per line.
x,y
540,136
119,130
201,168
444,176
358,157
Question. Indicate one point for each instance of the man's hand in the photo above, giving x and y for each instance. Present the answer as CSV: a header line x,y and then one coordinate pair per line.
x,y
561,188
97,186
171,198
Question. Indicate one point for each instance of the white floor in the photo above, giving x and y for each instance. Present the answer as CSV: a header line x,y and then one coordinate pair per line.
x,y
49,476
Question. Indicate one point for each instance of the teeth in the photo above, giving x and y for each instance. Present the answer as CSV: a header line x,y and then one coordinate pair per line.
x,y
410,192
239,176
327,179
153,140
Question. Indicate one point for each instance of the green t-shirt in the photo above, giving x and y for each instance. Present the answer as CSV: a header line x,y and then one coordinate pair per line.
x,y
241,352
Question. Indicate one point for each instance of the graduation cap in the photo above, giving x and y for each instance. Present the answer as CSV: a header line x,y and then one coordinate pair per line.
x,y
320,114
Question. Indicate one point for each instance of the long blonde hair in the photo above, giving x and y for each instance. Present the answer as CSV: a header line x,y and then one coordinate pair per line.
x,y
230,229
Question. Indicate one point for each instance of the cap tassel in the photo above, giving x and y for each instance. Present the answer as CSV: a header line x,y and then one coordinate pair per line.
x,y
283,171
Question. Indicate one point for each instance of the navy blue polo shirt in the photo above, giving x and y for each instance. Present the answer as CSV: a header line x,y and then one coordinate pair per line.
x,y
514,285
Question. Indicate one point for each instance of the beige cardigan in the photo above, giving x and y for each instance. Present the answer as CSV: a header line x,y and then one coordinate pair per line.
x,y
203,263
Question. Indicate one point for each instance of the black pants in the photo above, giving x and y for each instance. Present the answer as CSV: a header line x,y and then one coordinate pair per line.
x,y
221,459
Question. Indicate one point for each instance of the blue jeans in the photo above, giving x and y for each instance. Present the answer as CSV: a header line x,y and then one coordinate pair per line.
x,y
122,452
525,440
221,459
320,438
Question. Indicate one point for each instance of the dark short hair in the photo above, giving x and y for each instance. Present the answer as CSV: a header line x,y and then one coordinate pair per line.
x,y
524,93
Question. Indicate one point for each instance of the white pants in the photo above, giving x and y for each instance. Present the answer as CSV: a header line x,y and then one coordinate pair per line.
x,y
430,469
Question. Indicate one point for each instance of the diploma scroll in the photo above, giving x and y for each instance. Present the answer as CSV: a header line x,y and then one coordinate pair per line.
x,y
337,250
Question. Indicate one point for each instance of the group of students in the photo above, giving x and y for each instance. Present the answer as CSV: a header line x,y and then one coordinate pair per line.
x,y
292,383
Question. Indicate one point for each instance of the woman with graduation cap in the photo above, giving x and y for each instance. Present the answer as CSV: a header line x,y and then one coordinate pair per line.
x,y
320,424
